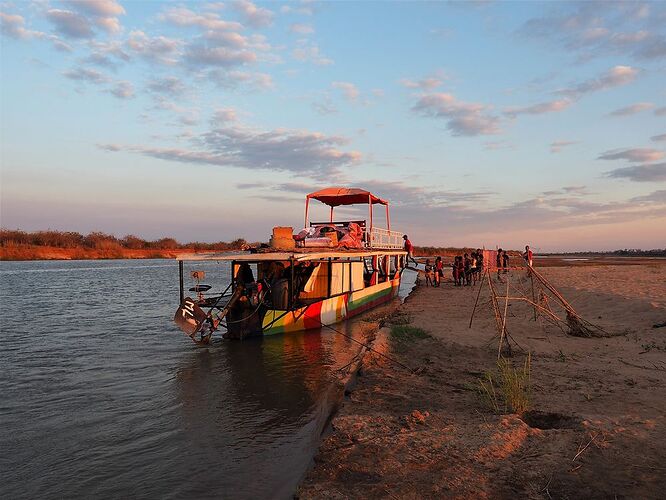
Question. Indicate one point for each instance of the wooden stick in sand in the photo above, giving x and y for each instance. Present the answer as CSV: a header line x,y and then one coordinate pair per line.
x,y
477,297
506,307
533,296
498,315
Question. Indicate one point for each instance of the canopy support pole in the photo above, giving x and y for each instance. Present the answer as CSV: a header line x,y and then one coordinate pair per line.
x,y
370,210
307,203
388,219
180,276
331,213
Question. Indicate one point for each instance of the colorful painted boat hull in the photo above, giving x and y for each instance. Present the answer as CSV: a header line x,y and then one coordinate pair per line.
x,y
329,311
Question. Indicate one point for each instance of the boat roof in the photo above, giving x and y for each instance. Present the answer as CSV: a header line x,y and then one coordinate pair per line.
x,y
335,196
281,255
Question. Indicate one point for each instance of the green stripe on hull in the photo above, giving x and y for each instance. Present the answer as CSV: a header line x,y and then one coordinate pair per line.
x,y
355,304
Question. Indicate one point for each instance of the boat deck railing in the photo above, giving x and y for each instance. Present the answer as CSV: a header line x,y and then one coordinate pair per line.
x,y
376,237
385,238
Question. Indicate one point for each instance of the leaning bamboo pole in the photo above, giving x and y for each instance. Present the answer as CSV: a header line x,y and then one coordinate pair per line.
x,y
506,307
498,316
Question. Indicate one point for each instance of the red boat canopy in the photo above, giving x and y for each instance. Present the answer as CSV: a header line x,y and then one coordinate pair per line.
x,y
335,196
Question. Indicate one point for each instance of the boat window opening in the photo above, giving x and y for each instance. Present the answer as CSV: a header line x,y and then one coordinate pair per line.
x,y
368,271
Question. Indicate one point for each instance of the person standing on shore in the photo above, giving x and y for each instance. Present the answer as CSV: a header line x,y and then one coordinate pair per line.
x,y
479,262
409,248
528,255
439,271
499,261
428,273
505,262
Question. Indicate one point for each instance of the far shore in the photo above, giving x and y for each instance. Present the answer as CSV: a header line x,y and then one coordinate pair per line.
x,y
116,252
35,252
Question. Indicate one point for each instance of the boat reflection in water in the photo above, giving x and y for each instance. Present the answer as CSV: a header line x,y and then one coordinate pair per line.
x,y
262,404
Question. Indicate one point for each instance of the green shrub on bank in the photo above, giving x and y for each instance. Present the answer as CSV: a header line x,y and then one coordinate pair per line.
x,y
508,390
405,333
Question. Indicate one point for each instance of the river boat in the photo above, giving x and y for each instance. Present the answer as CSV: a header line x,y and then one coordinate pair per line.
x,y
329,272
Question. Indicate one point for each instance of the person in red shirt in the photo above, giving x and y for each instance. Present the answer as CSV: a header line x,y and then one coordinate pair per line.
x,y
439,270
409,248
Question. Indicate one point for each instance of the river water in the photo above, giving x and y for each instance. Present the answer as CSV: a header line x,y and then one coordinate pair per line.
x,y
102,396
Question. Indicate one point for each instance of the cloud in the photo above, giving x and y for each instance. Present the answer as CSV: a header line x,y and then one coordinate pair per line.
x,y
325,106
540,108
654,197
122,90
104,13
581,28
301,29
349,90
169,85
658,138
70,24
224,115
13,26
181,16
633,109
98,8
495,145
157,49
575,189
303,7
654,172
462,118
86,75
641,155
234,79
557,146
254,16
219,42
660,111
202,55
428,83
297,151
615,77
309,52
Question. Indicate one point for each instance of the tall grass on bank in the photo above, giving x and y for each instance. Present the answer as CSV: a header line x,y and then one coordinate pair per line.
x,y
507,390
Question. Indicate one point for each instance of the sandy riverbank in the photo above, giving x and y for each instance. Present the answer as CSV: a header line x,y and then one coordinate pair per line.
x,y
598,426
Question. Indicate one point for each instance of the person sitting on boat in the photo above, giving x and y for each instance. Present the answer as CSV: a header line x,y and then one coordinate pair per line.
x,y
409,248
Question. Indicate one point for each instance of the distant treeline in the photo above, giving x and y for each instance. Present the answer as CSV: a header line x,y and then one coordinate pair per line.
x,y
102,241
441,251
627,252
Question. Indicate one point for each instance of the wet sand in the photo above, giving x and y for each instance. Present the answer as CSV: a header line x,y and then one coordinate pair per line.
x,y
596,427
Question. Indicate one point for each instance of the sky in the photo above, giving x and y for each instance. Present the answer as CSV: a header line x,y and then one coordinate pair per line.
x,y
483,123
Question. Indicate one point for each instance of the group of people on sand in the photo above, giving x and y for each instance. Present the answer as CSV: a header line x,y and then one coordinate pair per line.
x,y
467,269
434,272
503,260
